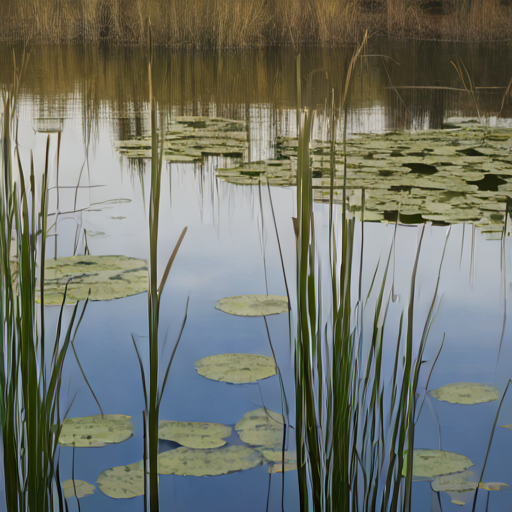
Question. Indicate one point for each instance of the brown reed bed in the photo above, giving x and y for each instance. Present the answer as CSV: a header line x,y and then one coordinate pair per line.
x,y
239,23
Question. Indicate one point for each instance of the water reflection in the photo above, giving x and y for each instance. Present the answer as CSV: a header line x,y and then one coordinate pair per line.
x,y
99,96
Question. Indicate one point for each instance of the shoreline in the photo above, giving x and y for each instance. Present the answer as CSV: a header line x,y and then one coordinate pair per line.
x,y
233,24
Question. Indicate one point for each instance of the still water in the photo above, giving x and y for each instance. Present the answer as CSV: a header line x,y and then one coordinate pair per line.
x,y
97,98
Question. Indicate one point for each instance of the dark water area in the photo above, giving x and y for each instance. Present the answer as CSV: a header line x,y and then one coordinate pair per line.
x,y
97,98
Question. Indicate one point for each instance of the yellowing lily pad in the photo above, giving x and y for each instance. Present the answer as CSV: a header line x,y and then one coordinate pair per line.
x,y
95,431
253,305
220,461
194,434
456,485
278,467
82,488
492,486
107,278
466,393
431,463
277,455
122,482
236,368
261,428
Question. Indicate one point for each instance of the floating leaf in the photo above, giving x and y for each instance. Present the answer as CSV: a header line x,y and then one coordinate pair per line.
x,y
253,305
194,434
492,486
458,484
431,463
107,277
277,467
236,368
82,488
277,455
187,139
95,431
122,481
219,461
466,393
427,166
261,428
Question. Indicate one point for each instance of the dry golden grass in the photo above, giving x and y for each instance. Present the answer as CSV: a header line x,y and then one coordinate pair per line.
x,y
238,23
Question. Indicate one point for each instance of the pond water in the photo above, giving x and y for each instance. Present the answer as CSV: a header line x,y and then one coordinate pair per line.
x,y
97,99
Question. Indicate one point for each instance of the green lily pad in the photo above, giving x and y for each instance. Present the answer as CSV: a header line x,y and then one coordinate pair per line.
x,y
194,434
95,431
431,463
261,427
219,461
122,482
457,482
188,138
403,164
236,368
107,278
457,486
466,393
82,488
253,305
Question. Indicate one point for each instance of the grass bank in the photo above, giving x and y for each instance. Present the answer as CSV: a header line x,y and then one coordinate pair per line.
x,y
238,23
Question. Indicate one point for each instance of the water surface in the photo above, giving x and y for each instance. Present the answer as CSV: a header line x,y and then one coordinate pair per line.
x,y
96,96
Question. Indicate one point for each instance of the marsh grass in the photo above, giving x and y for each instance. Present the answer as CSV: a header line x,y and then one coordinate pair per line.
x,y
354,419
30,378
154,392
237,23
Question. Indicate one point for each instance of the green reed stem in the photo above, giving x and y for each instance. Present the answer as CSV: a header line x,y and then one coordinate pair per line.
x,y
29,384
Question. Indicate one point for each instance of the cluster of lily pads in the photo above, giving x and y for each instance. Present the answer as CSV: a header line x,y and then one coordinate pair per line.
x,y
190,138
455,175
203,450
448,471
93,277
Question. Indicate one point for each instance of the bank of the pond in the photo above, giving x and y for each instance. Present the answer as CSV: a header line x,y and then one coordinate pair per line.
x,y
239,23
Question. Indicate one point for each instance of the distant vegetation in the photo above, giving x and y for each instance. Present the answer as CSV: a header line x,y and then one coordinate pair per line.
x,y
235,23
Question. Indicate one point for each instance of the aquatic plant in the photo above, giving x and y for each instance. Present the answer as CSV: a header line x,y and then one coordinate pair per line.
x,y
353,428
156,389
30,377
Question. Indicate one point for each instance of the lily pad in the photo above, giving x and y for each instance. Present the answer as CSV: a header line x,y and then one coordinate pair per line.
x,y
458,486
466,393
194,434
432,463
220,461
82,488
236,368
122,482
279,468
261,428
95,431
466,158
277,455
492,486
107,278
457,482
188,138
253,305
